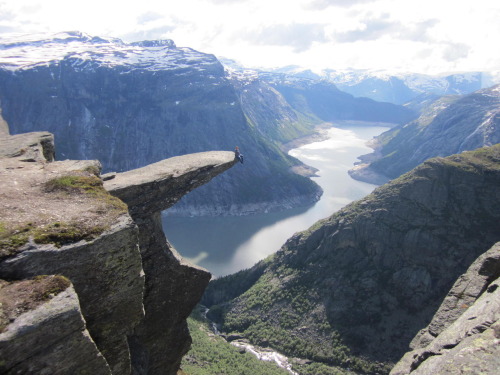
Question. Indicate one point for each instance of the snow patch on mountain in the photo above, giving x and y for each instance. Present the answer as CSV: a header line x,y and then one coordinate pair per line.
x,y
87,52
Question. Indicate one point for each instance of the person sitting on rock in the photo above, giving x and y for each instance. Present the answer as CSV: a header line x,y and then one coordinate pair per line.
x,y
238,154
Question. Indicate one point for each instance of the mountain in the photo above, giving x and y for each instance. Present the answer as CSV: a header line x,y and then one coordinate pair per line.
x,y
267,109
132,104
449,125
400,89
396,88
322,99
303,99
355,288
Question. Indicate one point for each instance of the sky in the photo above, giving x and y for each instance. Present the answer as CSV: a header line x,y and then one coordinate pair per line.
x,y
421,36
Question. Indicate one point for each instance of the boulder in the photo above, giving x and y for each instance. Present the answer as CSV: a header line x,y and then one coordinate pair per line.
x,y
49,335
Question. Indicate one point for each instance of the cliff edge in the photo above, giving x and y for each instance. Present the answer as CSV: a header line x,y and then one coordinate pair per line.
x,y
173,286
125,292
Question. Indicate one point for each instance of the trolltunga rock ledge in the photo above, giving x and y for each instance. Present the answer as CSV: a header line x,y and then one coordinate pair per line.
x,y
158,186
173,286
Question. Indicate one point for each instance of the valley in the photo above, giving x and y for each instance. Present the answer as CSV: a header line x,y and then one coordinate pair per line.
x,y
226,245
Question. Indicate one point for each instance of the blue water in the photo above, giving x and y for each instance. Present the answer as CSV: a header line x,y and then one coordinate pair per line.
x,y
225,245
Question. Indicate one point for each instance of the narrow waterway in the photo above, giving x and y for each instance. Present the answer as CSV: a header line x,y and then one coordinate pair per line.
x,y
225,245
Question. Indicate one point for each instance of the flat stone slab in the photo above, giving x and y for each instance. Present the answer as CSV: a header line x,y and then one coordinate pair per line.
x,y
35,146
160,185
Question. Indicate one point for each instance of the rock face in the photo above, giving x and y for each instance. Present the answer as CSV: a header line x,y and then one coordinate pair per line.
x,y
173,287
134,290
57,323
37,146
106,271
107,277
447,126
130,105
364,281
464,334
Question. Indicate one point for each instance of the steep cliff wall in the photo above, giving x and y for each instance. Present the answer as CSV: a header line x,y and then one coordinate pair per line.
x,y
464,334
134,290
359,285
173,287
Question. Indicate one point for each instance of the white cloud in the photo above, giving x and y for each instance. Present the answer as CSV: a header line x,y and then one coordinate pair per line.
x,y
421,35
299,36
323,4
455,51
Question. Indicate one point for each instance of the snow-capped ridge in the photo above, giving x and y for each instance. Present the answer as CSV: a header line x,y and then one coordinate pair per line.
x,y
155,43
85,51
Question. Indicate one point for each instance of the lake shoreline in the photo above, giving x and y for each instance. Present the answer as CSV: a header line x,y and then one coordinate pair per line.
x,y
226,244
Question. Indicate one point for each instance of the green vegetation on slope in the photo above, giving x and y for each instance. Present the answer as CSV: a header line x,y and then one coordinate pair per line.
x,y
212,355
281,311
353,290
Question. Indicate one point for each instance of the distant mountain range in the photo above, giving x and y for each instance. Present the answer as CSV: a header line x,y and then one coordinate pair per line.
x,y
396,88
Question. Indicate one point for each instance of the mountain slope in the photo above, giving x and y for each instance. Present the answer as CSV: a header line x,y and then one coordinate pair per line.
x,y
267,109
129,105
447,126
462,337
355,288
325,101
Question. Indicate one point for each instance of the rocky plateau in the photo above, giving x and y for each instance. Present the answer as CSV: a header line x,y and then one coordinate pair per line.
x,y
122,294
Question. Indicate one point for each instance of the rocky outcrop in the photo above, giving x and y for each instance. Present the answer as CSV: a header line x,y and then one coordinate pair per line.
x,y
134,290
49,336
364,281
464,334
105,268
36,146
173,287
107,276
